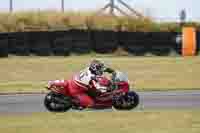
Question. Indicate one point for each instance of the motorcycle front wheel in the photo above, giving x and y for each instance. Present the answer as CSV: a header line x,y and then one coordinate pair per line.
x,y
126,102
55,102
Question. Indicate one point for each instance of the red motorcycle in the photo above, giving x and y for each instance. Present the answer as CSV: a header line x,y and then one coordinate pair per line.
x,y
115,90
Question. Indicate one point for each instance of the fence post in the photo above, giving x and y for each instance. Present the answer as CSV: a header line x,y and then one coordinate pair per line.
x,y
11,6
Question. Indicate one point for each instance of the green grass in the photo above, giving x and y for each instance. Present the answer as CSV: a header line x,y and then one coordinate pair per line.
x,y
170,121
145,73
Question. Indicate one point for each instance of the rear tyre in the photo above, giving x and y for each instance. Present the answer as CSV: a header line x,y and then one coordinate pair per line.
x,y
55,102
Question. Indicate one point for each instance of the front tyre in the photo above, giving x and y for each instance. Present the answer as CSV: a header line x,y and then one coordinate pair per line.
x,y
55,102
126,102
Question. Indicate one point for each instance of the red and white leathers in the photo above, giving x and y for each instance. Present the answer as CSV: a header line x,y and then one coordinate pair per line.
x,y
81,83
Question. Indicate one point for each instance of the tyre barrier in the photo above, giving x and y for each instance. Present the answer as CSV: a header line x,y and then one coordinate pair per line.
x,y
4,48
17,44
80,47
39,43
81,42
104,41
105,36
105,47
198,42
161,48
135,47
62,47
18,47
41,48
132,36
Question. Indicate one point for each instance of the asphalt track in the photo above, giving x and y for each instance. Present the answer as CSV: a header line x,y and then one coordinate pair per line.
x,y
30,103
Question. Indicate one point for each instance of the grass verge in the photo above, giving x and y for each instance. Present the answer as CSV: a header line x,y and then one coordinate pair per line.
x,y
145,73
170,121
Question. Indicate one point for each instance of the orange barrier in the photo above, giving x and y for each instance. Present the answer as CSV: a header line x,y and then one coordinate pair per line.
x,y
189,41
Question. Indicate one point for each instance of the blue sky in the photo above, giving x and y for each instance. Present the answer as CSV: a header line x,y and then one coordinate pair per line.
x,y
160,9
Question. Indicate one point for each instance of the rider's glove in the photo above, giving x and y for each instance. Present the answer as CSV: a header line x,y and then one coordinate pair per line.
x,y
94,78
109,70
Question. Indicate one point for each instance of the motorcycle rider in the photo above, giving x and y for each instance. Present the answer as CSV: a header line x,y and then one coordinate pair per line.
x,y
83,84
85,80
